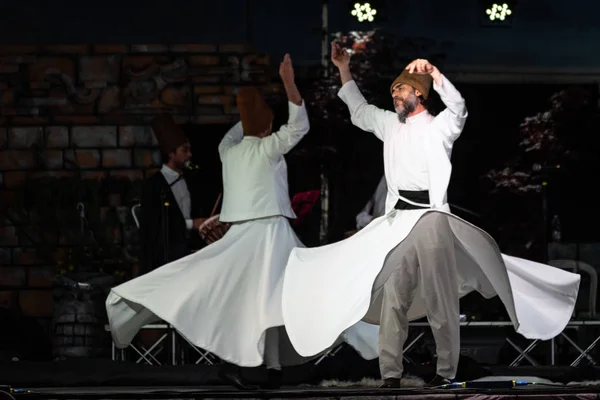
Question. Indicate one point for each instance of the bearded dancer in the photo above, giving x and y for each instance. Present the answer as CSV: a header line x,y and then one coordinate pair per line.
x,y
418,259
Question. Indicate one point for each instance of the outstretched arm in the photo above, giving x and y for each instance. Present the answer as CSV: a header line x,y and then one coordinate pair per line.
x,y
364,115
451,121
290,134
286,72
341,59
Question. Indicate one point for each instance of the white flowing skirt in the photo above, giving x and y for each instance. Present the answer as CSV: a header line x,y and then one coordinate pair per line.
x,y
330,288
222,298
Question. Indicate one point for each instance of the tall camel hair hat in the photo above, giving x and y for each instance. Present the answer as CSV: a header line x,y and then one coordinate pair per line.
x,y
255,113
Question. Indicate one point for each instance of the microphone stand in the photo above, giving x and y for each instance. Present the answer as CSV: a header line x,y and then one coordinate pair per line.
x,y
164,221
544,172
545,244
165,204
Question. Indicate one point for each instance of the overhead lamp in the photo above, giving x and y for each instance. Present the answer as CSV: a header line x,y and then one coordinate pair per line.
x,y
364,12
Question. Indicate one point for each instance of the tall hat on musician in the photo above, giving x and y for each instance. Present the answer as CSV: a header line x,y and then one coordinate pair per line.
x,y
168,134
255,113
422,83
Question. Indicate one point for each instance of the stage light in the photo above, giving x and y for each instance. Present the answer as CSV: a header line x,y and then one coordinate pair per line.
x,y
498,12
364,12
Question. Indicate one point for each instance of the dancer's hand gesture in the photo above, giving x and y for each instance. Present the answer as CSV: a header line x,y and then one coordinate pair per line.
x,y
339,56
421,67
286,70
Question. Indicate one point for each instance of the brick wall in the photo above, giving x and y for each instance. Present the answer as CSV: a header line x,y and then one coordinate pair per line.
x,y
90,105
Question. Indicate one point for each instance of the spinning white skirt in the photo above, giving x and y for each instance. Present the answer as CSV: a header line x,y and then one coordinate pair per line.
x,y
330,288
222,298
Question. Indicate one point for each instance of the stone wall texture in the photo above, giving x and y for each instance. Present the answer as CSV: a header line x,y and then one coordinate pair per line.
x,y
65,108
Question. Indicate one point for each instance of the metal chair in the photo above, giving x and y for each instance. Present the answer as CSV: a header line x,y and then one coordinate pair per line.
x,y
149,355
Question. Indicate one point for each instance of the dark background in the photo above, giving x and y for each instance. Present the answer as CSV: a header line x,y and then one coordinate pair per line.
x,y
506,73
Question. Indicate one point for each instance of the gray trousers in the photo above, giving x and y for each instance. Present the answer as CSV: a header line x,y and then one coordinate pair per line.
x,y
425,261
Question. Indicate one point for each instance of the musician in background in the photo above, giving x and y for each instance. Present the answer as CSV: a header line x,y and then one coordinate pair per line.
x,y
169,219
375,207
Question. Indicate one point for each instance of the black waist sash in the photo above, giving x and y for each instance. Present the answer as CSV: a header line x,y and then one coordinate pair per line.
x,y
417,196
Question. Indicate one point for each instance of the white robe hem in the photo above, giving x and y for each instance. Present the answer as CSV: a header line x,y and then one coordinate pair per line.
x,y
203,345
564,315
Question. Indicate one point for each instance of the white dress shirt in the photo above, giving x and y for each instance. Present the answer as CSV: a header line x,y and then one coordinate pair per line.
x,y
416,154
181,193
255,181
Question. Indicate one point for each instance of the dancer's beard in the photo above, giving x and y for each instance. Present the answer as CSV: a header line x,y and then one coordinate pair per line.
x,y
408,105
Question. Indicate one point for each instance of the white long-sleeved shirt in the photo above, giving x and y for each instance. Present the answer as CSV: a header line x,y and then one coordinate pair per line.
x,y
255,181
181,193
416,153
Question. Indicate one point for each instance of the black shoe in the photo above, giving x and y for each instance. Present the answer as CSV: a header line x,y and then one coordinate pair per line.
x,y
273,379
390,383
233,377
438,381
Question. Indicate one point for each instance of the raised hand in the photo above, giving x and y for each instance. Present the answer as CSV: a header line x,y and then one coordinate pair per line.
x,y
339,56
420,66
286,70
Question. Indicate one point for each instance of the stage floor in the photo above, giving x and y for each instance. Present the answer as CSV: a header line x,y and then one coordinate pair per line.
x,y
534,392
105,379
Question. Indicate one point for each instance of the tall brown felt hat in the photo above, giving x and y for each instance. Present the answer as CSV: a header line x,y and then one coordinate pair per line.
x,y
168,134
422,83
255,113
